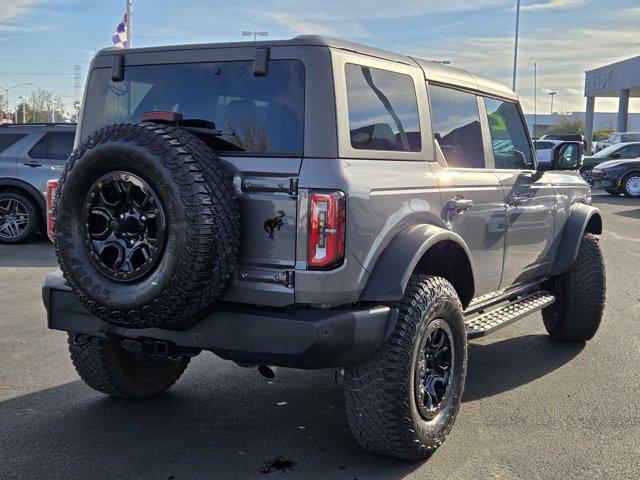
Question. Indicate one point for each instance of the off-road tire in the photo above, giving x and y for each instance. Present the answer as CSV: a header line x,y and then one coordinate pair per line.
x,y
108,368
580,296
35,217
379,393
624,187
202,218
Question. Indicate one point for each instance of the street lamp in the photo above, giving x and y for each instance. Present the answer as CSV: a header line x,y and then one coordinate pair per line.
x,y
249,33
552,94
24,108
6,91
515,49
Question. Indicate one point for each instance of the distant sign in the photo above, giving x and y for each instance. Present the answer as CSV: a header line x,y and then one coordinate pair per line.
x,y
596,81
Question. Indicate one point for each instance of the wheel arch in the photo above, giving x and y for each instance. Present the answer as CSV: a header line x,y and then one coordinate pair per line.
x,y
20,186
582,219
425,249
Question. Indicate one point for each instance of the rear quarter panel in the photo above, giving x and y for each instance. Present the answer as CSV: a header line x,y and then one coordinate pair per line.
x,y
383,198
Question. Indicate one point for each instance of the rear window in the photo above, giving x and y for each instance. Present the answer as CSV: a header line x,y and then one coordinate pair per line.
x,y
565,137
8,139
631,137
257,114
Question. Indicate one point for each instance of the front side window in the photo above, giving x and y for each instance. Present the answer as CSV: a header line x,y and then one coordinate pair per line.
x,y
456,127
53,146
256,114
509,140
383,110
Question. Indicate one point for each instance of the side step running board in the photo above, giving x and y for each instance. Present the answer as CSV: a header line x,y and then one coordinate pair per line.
x,y
488,322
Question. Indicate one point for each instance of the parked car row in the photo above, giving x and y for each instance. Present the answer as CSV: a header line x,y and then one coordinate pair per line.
x,y
32,154
617,137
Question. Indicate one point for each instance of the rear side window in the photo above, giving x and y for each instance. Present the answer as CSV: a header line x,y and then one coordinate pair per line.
x,y
630,151
509,140
54,146
383,110
456,127
544,145
8,139
256,114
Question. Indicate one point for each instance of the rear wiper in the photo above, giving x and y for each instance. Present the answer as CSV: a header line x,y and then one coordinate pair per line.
x,y
194,125
197,125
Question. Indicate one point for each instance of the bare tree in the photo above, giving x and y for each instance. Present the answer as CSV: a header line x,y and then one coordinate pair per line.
x,y
43,102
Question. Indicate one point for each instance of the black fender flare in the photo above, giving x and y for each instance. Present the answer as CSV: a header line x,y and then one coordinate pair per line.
x,y
582,218
17,184
398,261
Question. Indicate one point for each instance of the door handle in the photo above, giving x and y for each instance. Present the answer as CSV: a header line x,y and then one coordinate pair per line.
x,y
459,204
33,164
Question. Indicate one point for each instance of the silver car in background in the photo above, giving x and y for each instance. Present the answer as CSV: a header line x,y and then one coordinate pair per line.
x,y
30,155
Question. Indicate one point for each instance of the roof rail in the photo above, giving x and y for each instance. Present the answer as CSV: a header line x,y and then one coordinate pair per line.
x,y
37,124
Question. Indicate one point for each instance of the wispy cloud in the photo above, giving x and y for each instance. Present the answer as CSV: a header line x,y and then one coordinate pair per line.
x,y
13,10
555,5
560,55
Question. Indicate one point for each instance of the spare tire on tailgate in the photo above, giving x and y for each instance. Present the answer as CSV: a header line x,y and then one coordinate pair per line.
x,y
147,226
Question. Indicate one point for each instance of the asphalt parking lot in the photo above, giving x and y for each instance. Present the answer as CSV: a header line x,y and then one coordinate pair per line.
x,y
532,408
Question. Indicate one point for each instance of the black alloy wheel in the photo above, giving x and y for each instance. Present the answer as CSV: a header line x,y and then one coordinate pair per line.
x,y
434,366
125,227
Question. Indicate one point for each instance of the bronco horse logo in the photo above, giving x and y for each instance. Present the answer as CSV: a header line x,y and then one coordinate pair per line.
x,y
273,224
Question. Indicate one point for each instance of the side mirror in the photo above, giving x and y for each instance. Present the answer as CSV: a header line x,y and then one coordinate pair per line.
x,y
616,155
566,156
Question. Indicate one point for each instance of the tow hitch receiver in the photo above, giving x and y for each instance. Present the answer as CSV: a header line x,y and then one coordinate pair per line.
x,y
155,348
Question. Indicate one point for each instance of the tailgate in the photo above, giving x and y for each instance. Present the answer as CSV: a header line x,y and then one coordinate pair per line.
x,y
267,193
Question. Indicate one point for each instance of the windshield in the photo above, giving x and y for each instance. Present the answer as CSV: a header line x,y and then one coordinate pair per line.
x,y
257,114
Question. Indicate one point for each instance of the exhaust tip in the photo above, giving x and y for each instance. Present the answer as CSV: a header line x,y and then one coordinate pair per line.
x,y
267,371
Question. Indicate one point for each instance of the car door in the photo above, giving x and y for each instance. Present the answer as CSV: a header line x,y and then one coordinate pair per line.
x,y
45,159
529,195
472,196
9,147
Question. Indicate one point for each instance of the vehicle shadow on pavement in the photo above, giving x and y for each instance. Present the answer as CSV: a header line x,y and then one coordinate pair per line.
x,y
222,421
227,424
507,364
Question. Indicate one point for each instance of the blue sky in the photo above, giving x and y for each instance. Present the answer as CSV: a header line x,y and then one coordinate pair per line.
x,y
40,41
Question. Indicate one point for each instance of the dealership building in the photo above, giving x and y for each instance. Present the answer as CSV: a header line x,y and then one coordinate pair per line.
x,y
619,80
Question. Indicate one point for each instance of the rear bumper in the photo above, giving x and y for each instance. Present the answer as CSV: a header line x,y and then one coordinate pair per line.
x,y
306,338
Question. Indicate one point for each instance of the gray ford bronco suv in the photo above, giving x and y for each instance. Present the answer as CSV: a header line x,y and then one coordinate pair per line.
x,y
313,203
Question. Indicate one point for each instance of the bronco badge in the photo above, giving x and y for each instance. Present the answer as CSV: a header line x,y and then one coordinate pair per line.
x,y
273,224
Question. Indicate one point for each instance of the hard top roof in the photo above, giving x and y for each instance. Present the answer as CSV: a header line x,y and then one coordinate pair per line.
x,y
33,127
434,71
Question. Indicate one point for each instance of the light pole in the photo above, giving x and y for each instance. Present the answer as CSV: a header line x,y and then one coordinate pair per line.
x,y
249,33
6,91
515,50
552,94
24,108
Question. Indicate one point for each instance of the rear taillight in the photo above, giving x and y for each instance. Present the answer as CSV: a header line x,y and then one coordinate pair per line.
x,y
52,188
326,230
